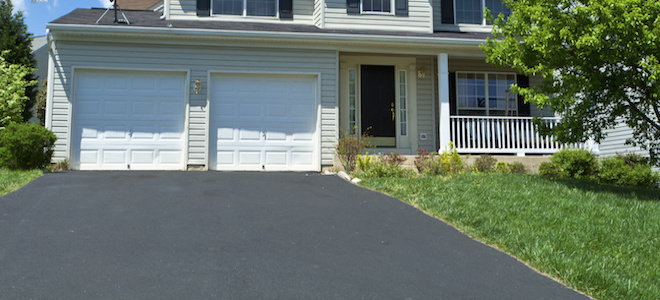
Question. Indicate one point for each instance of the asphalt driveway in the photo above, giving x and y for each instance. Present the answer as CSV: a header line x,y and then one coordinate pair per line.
x,y
203,235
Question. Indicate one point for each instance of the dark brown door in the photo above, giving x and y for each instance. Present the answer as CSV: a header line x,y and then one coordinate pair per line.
x,y
377,101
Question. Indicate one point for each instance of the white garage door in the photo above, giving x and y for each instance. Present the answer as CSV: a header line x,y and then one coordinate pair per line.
x,y
129,120
261,122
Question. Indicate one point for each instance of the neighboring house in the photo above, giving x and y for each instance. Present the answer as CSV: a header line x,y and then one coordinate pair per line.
x,y
273,84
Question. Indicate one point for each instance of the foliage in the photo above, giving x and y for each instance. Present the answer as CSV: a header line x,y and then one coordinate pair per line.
x,y
393,158
16,48
348,149
576,163
40,105
551,170
485,163
517,168
502,168
13,85
370,166
11,180
449,162
598,61
25,146
622,170
598,239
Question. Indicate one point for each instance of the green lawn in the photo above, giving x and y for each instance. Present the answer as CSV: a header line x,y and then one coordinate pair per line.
x,y
11,180
601,240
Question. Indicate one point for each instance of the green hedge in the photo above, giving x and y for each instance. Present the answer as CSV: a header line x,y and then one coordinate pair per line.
x,y
25,146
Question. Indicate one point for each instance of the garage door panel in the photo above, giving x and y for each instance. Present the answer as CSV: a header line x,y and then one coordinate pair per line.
x,y
129,120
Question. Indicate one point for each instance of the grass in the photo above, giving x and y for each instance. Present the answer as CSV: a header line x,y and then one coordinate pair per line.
x,y
601,240
11,180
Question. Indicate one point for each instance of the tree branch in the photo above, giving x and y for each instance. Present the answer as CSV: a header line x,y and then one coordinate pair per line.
x,y
656,109
633,106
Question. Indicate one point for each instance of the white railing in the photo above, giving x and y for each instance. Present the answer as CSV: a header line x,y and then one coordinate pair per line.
x,y
518,135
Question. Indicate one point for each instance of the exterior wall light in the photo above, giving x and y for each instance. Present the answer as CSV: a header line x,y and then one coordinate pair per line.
x,y
198,86
421,74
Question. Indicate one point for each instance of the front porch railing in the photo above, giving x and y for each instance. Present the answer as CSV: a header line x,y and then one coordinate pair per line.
x,y
517,135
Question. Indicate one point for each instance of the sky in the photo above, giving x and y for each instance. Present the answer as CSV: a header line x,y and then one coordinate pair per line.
x,y
39,12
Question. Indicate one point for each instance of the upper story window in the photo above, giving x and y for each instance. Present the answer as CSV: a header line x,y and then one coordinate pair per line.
x,y
265,8
379,6
472,11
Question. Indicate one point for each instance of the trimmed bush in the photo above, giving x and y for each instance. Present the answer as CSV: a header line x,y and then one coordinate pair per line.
x,y
485,163
517,168
502,167
26,146
627,170
551,170
426,162
576,163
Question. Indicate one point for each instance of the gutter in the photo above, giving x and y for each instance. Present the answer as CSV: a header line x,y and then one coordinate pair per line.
x,y
248,34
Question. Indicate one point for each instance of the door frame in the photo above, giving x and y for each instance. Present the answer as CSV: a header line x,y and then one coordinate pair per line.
x,y
317,102
75,164
404,143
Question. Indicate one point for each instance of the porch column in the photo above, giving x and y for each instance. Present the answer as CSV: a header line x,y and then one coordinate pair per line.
x,y
443,100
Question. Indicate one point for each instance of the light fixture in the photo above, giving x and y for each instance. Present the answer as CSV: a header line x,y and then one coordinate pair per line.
x,y
421,74
198,86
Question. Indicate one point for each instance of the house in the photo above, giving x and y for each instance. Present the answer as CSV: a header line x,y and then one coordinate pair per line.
x,y
273,84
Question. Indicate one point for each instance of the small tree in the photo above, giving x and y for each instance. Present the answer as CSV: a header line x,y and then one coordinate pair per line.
x,y
15,38
598,61
12,91
40,105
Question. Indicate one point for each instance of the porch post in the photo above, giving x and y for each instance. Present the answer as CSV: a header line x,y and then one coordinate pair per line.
x,y
443,100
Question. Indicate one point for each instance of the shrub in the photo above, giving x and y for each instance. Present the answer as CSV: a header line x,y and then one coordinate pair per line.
x,y
426,162
348,149
576,163
26,146
517,168
627,170
381,166
393,158
485,163
551,170
502,167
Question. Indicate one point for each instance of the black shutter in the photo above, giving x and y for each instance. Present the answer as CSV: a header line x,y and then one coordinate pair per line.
x,y
447,11
353,7
286,9
401,7
453,110
203,8
523,108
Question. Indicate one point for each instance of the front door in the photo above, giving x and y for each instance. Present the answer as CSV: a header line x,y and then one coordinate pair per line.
x,y
378,108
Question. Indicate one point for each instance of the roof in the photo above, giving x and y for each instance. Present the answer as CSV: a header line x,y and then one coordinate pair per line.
x,y
147,18
137,4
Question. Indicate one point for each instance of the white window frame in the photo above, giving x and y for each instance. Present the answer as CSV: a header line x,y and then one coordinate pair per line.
x,y
245,15
483,15
487,108
353,123
368,12
402,83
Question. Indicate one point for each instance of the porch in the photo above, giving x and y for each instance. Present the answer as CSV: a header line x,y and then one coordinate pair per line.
x,y
421,101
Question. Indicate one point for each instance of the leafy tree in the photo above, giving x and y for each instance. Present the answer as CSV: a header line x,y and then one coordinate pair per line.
x,y
40,105
15,37
598,61
13,85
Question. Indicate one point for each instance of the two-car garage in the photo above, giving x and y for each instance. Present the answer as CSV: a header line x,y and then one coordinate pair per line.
x,y
138,120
